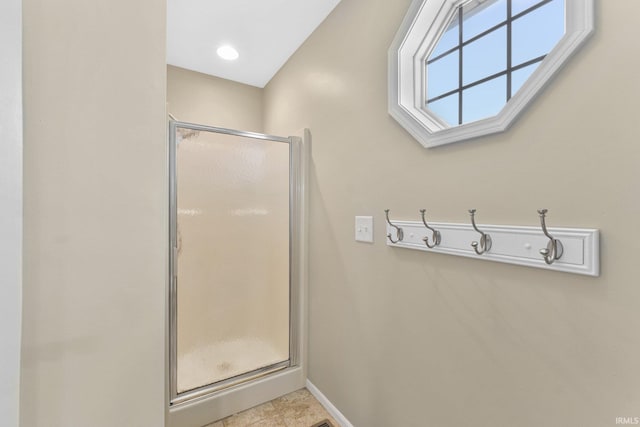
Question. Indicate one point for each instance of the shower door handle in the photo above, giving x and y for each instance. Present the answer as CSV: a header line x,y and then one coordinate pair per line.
x,y
174,262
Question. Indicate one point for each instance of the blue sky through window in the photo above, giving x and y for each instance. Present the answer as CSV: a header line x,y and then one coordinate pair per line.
x,y
533,35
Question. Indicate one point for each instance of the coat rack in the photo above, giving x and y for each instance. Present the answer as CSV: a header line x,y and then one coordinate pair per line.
x,y
572,250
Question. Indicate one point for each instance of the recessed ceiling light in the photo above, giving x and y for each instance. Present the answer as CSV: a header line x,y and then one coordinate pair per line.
x,y
227,52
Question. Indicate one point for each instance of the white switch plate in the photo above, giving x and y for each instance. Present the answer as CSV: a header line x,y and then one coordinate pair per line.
x,y
364,229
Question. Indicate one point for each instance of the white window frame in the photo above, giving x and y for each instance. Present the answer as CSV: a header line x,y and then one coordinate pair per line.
x,y
416,38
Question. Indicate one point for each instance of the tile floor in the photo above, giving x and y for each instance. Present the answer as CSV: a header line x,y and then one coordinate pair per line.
x,y
297,409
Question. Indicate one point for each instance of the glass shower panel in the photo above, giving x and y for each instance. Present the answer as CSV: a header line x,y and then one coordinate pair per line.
x,y
232,272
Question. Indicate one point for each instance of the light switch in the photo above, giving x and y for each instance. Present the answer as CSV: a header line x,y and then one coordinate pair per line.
x,y
364,229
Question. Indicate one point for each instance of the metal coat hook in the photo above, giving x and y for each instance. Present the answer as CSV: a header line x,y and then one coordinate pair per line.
x,y
399,231
435,234
554,248
485,239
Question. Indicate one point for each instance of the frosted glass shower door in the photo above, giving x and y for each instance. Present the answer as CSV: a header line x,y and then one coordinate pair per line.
x,y
231,257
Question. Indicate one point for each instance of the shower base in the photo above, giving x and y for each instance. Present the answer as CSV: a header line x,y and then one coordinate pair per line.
x,y
223,360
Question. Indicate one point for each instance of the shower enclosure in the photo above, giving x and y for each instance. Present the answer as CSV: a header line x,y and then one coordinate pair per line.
x,y
235,293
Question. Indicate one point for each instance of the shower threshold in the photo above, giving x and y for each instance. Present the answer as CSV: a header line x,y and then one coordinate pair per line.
x,y
228,383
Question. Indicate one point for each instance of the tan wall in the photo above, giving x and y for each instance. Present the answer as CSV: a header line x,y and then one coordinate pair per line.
x,y
94,214
203,99
405,338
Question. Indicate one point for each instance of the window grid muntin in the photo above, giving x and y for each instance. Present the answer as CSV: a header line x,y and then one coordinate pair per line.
x,y
486,79
462,43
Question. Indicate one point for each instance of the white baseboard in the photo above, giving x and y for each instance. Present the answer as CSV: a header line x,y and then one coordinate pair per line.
x,y
332,410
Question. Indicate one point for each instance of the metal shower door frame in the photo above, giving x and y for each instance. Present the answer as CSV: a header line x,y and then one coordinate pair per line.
x,y
295,221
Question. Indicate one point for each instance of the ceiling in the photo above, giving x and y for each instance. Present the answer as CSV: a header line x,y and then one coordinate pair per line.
x,y
265,33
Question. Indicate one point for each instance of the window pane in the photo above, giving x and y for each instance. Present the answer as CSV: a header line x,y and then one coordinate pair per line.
x,y
442,75
446,109
518,6
485,56
536,33
519,77
484,100
449,39
481,17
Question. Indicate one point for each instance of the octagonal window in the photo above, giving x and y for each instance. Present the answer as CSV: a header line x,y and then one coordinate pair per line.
x,y
465,68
